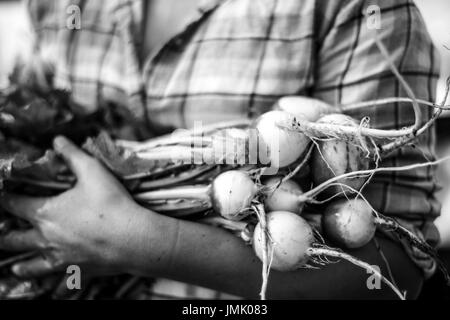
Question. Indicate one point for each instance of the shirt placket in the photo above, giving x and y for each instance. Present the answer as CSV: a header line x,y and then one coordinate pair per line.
x,y
206,7
172,48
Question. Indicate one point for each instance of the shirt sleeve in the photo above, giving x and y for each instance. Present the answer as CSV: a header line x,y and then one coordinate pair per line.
x,y
350,68
93,47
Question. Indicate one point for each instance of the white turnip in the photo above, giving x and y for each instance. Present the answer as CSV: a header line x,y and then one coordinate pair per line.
x,y
283,195
289,243
231,194
276,146
353,223
308,108
335,157
291,238
349,223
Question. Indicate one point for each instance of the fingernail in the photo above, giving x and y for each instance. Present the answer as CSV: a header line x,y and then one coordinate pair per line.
x,y
59,142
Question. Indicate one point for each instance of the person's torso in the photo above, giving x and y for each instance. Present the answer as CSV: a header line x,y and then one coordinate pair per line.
x,y
235,58
235,62
238,57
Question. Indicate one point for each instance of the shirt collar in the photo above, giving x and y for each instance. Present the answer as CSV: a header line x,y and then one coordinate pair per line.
x,y
205,7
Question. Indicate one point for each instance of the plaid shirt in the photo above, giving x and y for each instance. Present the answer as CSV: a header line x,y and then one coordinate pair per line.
x,y
238,57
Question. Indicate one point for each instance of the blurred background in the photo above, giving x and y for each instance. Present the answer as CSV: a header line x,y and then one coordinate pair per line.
x,y
15,40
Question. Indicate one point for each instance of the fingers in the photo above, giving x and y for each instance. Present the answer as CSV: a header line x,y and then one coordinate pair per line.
x,y
21,241
28,208
77,160
37,267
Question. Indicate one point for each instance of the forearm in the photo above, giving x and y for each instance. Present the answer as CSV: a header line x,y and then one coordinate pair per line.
x,y
213,258
195,253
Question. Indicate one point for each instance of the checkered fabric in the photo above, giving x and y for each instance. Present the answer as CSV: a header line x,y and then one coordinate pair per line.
x,y
236,58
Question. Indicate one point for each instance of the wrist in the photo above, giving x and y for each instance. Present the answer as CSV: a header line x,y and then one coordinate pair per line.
x,y
151,239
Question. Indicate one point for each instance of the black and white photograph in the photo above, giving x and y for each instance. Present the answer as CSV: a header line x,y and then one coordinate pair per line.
x,y
228,151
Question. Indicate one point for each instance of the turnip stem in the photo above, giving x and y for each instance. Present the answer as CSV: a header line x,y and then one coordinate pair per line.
x,y
186,141
325,131
178,153
403,137
300,166
238,226
179,208
152,173
327,252
174,180
12,260
190,192
311,194
171,138
392,225
217,153
53,185
259,208
390,147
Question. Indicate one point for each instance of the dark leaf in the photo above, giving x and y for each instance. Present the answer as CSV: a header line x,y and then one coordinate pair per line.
x,y
119,160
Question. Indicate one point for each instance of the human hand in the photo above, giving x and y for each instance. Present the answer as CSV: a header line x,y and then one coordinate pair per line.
x,y
89,225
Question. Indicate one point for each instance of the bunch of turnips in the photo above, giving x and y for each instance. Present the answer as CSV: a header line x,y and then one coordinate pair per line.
x,y
255,178
260,192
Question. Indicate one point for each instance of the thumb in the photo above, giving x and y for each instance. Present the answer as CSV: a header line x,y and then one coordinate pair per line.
x,y
75,158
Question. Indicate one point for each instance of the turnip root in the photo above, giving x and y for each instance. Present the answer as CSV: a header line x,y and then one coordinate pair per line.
x,y
353,223
231,194
292,245
179,208
277,146
283,195
291,236
304,107
242,229
336,157
349,223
